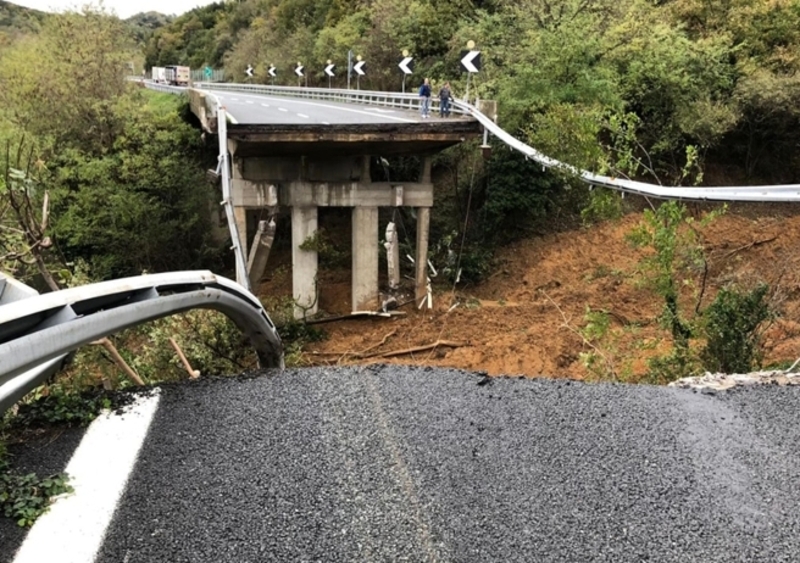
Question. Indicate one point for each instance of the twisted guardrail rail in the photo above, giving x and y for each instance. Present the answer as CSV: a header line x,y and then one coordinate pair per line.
x,y
37,332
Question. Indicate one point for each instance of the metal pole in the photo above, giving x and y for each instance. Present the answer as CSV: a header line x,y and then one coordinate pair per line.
x,y
349,66
466,94
404,83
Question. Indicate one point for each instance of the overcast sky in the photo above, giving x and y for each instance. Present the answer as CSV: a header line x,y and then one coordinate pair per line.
x,y
123,8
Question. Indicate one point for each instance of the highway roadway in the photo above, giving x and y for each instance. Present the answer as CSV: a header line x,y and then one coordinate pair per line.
x,y
419,464
260,109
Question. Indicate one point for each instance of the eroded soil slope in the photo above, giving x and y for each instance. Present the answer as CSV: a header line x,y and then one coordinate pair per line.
x,y
526,318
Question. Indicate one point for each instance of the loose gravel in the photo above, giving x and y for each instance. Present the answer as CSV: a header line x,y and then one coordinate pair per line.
x,y
388,463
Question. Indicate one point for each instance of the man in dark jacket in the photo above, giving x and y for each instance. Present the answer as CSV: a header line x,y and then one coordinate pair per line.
x,y
445,95
425,96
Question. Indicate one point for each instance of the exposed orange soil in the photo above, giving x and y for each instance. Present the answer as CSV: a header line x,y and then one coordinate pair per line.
x,y
524,319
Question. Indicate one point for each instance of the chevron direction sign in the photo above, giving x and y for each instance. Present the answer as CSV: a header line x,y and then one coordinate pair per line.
x,y
249,71
329,69
407,65
299,70
271,71
360,68
470,61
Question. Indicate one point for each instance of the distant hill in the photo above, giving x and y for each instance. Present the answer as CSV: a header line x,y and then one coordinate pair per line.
x,y
144,24
16,20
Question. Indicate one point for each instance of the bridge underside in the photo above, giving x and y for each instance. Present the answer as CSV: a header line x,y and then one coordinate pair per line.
x,y
304,168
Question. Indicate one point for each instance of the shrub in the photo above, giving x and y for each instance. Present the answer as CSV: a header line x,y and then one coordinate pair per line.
x,y
732,326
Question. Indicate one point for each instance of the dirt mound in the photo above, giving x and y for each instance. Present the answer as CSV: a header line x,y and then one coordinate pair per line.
x,y
526,318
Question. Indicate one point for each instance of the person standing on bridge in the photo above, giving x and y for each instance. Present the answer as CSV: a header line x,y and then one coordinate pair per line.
x,y
425,95
445,95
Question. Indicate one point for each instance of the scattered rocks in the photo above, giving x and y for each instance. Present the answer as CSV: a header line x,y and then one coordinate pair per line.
x,y
722,381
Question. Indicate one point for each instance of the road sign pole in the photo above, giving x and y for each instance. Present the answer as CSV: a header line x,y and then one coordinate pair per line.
x,y
404,83
358,82
349,66
466,94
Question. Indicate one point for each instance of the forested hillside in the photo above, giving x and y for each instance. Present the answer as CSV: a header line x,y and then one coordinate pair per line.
x,y
659,90
16,20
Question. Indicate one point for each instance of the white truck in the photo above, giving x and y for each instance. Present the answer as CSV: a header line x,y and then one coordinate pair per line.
x,y
158,74
178,75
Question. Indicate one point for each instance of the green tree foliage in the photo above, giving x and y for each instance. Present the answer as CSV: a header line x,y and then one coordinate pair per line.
x,y
121,166
59,86
144,206
16,21
733,324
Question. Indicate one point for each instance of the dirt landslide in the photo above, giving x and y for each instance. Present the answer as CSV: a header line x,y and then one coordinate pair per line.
x,y
525,319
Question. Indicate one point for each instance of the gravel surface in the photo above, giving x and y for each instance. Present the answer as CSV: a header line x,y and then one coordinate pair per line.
x,y
389,463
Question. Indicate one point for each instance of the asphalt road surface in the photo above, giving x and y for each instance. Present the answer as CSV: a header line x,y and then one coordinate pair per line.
x,y
256,109
388,463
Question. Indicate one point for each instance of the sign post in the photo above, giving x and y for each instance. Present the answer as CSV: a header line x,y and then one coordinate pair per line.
x,y
470,63
360,71
407,66
329,71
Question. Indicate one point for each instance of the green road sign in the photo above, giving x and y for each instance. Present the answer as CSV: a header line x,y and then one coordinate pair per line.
x,y
208,71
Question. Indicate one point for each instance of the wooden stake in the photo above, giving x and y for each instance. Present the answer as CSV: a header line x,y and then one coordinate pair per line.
x,y
193,373
119,360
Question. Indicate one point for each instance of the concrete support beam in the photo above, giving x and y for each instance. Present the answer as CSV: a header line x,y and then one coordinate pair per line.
x,y
350,194
259,253
253,194
240,216
423,233
304,262
365,259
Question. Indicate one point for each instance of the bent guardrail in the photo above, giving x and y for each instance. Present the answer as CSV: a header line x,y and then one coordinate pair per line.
x,y
37,332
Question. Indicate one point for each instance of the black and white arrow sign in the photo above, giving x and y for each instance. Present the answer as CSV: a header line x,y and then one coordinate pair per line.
x,y
359,68
271,71
249,71
471,61
406,65
299,70
329,69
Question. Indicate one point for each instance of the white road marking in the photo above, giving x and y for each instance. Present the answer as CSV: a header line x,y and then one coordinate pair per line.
x,y
73,530
326,123
379,110
302,115
282,109
265,105
250,102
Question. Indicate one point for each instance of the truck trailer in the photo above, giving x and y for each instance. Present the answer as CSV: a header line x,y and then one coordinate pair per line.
x,y
178,75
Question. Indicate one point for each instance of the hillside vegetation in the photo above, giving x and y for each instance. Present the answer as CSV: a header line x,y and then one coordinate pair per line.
x,y
658,90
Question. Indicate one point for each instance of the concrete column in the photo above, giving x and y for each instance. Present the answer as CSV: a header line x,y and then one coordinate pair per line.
x,y
304,262
365,259
240,216
425,172
392,246
423,232
259,253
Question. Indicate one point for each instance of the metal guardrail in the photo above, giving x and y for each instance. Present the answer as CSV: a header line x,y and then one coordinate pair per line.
x,y
37,332
774,193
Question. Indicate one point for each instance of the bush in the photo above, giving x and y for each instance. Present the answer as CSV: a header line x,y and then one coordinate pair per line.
x,y
732,326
